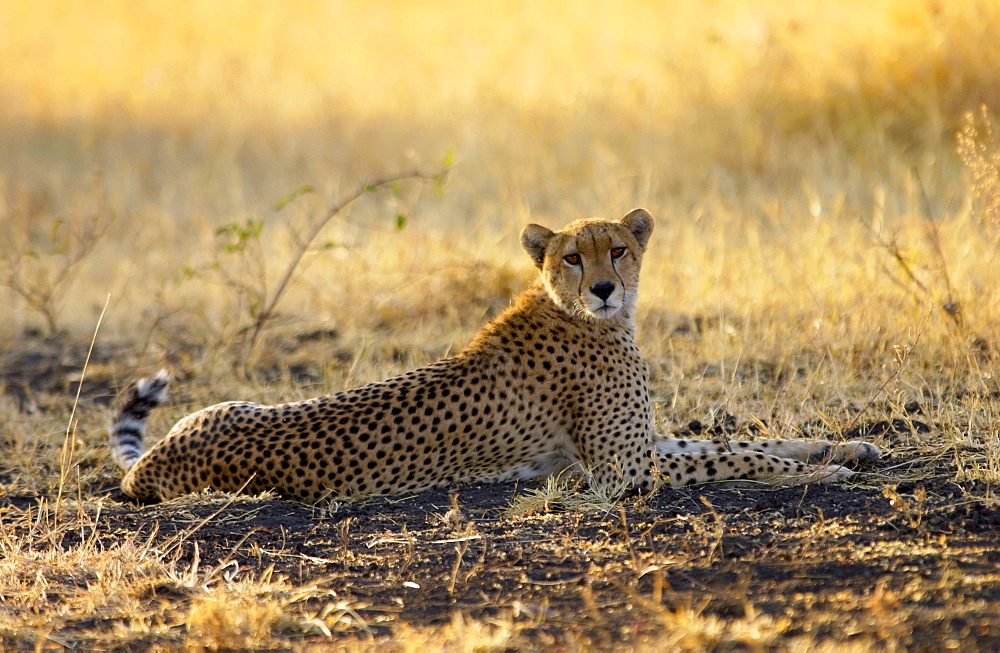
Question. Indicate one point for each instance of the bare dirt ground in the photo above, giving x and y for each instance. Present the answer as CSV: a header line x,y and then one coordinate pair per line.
x,y
856,562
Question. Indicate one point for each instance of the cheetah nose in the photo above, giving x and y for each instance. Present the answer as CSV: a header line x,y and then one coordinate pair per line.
x,y
603,289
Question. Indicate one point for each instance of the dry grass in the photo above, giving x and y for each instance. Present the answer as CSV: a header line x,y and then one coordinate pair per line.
x,y
823,174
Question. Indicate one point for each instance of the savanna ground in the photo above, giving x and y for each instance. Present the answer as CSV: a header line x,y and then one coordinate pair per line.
x,y
827,187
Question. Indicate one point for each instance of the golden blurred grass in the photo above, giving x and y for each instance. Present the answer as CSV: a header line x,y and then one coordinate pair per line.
x,y
771,124
814,220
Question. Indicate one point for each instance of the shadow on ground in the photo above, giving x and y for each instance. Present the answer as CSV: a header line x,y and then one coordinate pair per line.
x,y
915,561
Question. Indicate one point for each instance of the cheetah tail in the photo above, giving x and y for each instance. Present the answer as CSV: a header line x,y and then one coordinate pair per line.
x,y
125,439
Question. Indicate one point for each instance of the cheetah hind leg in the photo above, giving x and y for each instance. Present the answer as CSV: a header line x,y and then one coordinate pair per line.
x,y
808,451
686,462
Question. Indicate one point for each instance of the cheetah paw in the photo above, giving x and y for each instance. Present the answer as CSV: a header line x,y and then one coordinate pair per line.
x,y
855,451
827,474
818,474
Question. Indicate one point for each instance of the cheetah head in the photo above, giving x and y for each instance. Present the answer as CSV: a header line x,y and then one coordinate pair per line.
x,y
590,268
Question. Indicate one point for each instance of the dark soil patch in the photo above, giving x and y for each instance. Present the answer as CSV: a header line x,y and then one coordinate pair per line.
x,y
916,561
40,367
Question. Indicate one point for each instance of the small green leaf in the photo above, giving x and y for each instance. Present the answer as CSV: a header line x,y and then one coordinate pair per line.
x,y
294,195
184,274
449,158
370,188
330,245
253,230
400,222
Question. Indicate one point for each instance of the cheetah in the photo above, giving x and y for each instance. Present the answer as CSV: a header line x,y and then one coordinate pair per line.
x,y
553,381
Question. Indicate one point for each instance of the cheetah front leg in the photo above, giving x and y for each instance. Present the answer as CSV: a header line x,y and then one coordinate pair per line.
x,y
682,469
809,451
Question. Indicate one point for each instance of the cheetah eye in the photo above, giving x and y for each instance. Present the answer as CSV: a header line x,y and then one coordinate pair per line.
x,y
572,259
617,252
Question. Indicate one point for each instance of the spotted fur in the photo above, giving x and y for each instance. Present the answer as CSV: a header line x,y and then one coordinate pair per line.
x,y
555,380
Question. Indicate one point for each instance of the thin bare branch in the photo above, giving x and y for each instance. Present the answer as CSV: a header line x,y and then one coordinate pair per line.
x,y
364,188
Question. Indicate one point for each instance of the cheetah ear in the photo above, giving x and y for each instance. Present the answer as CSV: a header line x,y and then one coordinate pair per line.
x,y
534,239
640,223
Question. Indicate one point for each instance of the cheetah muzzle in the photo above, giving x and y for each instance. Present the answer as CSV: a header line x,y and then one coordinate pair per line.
x,y
555,380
